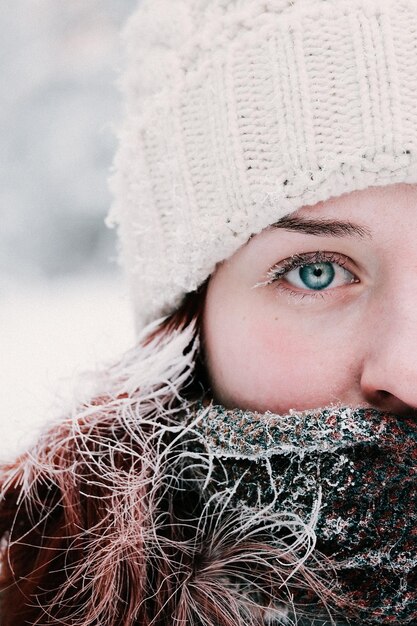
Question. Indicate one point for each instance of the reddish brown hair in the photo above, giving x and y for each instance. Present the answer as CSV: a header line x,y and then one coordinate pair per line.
x,y
43,536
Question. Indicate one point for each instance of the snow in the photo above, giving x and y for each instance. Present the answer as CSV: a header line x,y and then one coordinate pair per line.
x,y
49,333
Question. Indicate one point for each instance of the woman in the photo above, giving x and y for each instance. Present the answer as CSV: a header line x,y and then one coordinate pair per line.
x,y
252,460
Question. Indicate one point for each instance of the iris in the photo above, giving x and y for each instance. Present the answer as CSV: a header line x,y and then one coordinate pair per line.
x,y
317,275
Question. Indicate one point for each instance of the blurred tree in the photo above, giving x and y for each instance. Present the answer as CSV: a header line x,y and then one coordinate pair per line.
x,y
58,99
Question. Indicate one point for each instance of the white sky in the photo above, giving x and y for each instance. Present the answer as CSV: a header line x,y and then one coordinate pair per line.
x,y
48,334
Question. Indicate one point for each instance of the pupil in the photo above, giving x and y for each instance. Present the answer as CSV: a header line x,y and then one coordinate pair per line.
x,y
317,275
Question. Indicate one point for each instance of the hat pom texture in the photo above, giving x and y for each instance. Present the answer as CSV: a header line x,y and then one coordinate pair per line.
x,y
239,112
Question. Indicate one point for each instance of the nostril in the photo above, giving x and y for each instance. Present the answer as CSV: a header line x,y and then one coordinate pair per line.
x,y
383,394
378,396
386,401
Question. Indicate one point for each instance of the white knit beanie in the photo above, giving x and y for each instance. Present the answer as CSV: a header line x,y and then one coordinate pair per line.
x,y
238,112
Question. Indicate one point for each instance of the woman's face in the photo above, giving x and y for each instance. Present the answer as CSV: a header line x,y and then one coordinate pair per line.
x,y
320,308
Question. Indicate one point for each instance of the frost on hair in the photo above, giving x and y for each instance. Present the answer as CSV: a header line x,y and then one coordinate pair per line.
x,y
103,523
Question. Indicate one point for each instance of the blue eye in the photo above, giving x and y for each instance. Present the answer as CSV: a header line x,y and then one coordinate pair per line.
x,y
317,276
311,273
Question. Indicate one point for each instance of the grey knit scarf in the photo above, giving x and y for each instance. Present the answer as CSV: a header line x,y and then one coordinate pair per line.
x,y
351,474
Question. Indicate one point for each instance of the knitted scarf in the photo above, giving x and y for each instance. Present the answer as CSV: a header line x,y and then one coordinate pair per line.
x,y
349,475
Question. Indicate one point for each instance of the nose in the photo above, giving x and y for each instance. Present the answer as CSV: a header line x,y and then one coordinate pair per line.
x,y
389,373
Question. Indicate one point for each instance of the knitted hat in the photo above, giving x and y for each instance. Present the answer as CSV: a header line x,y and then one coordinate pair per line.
x,y
239,112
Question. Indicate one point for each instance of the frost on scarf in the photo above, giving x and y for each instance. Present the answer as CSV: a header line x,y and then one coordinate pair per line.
x,y
355,471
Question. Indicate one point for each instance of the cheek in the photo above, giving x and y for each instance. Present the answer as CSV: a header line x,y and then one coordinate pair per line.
x,y
265,364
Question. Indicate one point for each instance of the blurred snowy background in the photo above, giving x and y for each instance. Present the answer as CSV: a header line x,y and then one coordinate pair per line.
x,y
63,308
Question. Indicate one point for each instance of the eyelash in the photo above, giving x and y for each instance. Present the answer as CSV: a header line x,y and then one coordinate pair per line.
x,y
278,271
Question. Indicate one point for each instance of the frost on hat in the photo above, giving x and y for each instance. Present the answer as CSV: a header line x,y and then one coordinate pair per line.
x,y
238,112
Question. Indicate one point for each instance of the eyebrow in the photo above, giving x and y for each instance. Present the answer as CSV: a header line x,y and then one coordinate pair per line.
x,y
326,227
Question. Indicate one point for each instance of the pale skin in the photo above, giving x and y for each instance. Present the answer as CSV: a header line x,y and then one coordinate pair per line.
x,y
341,330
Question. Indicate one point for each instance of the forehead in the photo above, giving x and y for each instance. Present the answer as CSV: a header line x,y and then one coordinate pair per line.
x,y
370,205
